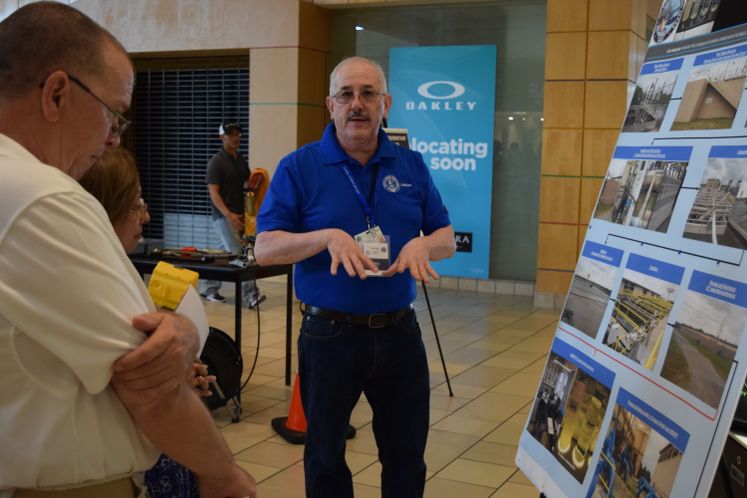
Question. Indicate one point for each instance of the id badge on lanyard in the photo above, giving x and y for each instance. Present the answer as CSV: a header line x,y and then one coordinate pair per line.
x,y
375,245
372,241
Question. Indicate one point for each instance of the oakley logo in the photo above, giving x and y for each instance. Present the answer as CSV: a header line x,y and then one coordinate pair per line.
x,y
456,90
440,95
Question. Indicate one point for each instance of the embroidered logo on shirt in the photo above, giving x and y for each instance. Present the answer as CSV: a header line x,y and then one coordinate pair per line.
x,y
390,183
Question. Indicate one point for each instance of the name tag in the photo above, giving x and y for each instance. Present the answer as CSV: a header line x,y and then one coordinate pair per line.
x,y
375,245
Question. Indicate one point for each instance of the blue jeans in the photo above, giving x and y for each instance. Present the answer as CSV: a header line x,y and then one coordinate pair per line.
x,y
231,242
337,362
169,479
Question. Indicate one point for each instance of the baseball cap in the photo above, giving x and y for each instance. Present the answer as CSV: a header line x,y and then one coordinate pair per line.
x,y
228,126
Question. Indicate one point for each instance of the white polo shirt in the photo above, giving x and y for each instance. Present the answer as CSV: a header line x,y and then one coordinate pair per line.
x,y
68,293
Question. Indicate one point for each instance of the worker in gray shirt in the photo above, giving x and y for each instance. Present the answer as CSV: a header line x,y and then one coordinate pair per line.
x,y
227,173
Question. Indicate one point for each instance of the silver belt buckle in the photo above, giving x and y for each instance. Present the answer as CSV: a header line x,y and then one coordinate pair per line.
x,y
372,316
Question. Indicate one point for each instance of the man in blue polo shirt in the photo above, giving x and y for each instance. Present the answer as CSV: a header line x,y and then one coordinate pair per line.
x,y
349,211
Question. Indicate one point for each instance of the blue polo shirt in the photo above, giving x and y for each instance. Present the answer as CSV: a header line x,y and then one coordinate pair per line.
x,y
310,191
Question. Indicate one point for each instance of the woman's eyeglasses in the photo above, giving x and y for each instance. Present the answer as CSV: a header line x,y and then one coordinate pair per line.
x,y
140,206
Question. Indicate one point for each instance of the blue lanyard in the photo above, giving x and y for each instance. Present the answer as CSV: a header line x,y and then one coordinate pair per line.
x,y
365,204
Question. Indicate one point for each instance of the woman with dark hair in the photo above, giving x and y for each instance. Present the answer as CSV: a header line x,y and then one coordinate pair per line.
x,y
115,182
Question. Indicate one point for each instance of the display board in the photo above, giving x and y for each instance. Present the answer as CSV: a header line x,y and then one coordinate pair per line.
x,y
445,97
649,358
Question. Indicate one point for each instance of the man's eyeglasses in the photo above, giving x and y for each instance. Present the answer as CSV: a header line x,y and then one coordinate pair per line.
x,y
140,206
120,124
367,96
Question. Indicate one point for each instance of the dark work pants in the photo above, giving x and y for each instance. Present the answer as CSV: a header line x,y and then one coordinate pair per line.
x,y
337,362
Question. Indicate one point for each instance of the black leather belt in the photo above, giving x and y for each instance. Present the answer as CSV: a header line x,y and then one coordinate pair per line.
x,y
372,321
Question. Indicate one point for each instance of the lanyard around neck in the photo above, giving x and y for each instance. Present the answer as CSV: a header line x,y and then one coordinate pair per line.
x,y
365,204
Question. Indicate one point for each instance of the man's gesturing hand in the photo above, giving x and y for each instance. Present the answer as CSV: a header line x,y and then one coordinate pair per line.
x,y
415,256
346,251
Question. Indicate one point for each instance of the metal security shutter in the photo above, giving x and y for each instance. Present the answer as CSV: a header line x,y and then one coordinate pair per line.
x,y
178,105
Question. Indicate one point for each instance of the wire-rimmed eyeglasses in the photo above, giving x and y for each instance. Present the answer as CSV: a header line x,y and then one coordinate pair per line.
x,y
367,96
120,124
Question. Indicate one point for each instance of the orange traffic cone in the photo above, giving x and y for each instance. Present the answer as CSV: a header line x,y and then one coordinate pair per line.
x,y
293,427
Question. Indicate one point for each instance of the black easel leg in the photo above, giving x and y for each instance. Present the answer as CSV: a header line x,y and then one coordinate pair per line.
x,y
438,341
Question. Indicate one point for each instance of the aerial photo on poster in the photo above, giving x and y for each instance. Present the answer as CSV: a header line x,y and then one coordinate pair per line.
x,y
641,453
707,332
667,21
651,97
642,185
591,287
569,407
719,213
697,18
714,90
642,305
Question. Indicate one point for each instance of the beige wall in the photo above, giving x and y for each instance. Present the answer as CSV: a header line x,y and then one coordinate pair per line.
x,y
287,42
182,25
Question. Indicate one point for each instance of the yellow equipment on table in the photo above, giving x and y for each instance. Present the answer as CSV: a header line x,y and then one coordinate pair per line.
x,y
257,184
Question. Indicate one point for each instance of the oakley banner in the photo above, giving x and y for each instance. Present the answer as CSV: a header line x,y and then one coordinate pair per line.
x,y
445,97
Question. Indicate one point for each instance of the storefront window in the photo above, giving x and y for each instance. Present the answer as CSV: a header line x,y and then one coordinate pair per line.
x,y
517,29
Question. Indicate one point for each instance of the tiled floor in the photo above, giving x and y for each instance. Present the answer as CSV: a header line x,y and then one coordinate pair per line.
x,y
495,348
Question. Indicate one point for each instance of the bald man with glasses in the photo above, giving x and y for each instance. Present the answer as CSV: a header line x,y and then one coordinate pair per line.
x,y
348,211
94,379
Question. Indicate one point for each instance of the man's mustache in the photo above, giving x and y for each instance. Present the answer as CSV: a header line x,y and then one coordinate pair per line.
x,y
357,114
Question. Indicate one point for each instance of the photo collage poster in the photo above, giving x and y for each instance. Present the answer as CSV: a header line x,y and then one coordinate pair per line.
x,y
650,354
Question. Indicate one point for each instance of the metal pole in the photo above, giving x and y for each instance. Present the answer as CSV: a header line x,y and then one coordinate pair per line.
x,y
438,341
